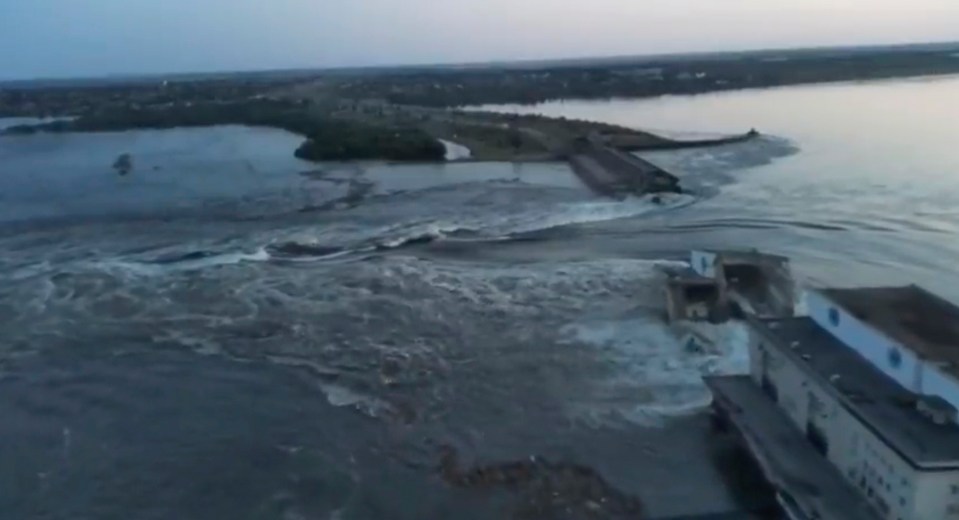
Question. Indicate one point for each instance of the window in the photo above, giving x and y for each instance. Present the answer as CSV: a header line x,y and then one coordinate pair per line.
x,y
883,506
902,501
834,316
955,489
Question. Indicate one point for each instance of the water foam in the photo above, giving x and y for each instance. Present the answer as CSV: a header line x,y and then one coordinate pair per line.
x,y
574,213
29,271
187,263
493,220
656,374
499,226
336,394
456,151
420,233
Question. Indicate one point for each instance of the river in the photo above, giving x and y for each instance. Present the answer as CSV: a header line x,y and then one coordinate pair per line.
x,y
227,332
869,197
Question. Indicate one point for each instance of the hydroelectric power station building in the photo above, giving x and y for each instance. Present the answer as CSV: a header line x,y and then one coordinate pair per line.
x,y
851,410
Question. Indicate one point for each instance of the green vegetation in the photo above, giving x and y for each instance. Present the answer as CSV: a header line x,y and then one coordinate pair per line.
x,y
114,119
346,141
639,77
327,138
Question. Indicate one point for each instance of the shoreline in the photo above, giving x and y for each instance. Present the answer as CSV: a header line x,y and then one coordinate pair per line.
x,y
931,76
383,132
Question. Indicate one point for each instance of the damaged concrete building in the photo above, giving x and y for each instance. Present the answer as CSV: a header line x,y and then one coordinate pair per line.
x,y
851,411
721,283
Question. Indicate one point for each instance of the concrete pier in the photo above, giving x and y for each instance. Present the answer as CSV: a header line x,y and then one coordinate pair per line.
x,y
614,173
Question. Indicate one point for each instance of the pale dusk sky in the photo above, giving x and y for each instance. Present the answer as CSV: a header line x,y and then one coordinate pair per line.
x,y
66,38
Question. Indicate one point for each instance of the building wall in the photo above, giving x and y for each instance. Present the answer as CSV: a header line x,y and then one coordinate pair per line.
x,y
802,399
674,303
704,263
889,356
880,474
937,497
891,484
886,354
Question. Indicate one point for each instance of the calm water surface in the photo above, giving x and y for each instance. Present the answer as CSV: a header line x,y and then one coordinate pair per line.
x,y
869,198
228,332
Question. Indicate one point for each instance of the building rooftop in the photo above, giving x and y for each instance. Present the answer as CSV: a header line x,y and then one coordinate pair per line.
x,y
688,276
885,407
920,320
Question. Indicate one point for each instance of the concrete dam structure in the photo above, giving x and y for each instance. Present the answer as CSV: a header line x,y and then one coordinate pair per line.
x,y
849,408
615,173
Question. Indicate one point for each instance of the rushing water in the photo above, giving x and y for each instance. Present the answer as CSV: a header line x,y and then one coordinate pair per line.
x,y
227,332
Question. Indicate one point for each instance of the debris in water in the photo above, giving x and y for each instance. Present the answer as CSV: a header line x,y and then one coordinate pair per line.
x,y
546,490
124,164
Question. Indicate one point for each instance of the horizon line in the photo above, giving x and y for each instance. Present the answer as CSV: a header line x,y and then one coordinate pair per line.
x,y
492,64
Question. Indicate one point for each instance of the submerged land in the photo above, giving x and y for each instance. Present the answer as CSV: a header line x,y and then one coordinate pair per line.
x,y
402,114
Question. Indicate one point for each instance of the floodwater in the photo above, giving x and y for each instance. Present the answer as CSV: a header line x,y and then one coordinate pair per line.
x,y
227,332
869,197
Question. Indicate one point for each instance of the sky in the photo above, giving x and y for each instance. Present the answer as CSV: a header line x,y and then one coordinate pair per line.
x,y
72,38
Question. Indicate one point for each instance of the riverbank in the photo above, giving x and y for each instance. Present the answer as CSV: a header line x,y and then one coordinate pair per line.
x,y
404,114
370,130
645,76
327,139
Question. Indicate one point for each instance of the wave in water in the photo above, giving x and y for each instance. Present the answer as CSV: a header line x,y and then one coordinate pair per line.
x,y
190,261
498,217
294,249
402,337
474,229
658,368
506,227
